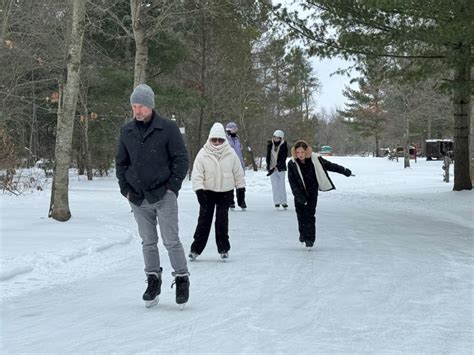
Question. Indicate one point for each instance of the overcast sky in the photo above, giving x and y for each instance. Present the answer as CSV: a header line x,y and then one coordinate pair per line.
x,y
331,96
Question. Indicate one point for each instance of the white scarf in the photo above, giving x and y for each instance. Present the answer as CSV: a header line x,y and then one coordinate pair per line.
x,y
274,155
215,150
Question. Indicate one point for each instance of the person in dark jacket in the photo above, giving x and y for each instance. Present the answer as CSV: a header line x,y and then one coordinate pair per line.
x,y
307,173
234,141
277,152
151,163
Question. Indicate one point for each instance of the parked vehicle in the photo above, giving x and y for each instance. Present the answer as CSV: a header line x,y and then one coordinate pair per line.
x,y
325,150
439,148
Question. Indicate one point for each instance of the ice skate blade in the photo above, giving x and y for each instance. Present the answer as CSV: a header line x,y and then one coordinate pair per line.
x,y
181,306
149,304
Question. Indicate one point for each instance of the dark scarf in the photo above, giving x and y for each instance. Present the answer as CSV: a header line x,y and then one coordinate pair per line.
x,y
143,126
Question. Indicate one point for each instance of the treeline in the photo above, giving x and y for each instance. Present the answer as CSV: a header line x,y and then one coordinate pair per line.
x,y
207,61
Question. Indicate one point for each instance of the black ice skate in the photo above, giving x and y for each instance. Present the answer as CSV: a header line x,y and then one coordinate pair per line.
x,y
309,244
182,290
151,295
224,255
284,205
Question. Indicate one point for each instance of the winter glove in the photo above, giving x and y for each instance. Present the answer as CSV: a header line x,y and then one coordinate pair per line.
x,y
240,192
201,196
348,173
270,172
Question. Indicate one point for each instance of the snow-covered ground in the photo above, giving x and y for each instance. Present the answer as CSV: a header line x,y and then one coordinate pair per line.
x,y
392,272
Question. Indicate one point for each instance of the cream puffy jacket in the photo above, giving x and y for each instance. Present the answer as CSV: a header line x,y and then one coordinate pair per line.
x,y
217,172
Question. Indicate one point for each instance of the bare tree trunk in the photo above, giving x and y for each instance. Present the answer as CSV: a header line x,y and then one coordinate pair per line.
x,y
6,14
85,148
377,152
203,79
462,108
141,43
278,113
34,127
59,209
406,145
471,140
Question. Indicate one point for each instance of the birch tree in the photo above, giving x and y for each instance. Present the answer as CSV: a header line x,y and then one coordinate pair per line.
x,y
148,19
59,207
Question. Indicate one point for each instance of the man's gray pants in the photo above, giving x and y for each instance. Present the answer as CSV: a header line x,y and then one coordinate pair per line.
x,y
278,187
166,211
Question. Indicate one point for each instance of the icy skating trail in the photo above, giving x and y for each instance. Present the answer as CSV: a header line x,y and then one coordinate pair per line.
x,y
391,272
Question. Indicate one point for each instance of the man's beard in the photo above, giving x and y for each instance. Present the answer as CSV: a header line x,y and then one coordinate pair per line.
x,y
142,117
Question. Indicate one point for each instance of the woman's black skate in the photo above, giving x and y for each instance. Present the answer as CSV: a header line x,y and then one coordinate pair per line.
x,y
151,295
182,290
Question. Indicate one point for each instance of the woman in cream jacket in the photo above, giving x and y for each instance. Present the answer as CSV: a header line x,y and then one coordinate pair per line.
x,y
216,172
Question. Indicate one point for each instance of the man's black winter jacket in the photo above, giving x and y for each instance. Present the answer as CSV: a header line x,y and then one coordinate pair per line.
x,y
149,163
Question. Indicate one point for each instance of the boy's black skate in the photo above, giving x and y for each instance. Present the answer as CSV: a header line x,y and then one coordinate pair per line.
x,y
151,295
182,290
224,255
309,244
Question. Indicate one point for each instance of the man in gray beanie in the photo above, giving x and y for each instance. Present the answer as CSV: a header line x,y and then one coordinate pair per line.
x,y
151,163
143,95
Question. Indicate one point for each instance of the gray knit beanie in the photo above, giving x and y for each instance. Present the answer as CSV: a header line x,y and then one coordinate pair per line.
x,y
143,95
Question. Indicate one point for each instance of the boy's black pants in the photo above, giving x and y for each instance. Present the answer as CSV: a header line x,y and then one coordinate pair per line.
x,y
306,215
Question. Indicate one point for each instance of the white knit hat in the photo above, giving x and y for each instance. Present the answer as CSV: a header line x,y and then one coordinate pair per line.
x,y
279,133
217,131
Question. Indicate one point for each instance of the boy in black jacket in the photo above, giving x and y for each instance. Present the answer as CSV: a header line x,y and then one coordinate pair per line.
x,y
307,173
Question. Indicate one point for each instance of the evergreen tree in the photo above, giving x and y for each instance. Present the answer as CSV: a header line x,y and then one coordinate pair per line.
x,y
365,110
431,35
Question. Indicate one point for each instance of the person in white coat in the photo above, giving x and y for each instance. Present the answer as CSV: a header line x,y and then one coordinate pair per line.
x,y
277,152
216,172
